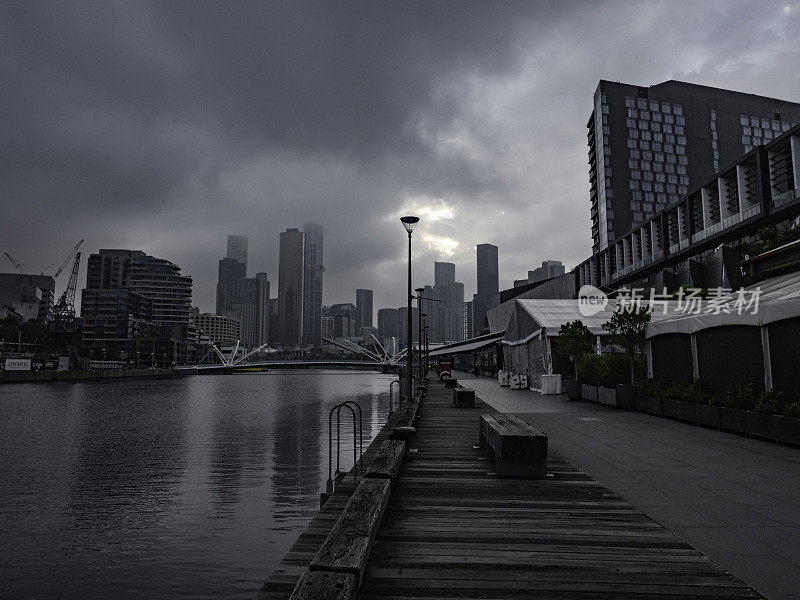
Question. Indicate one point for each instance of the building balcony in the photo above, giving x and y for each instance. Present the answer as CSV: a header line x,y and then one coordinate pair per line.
x,y
786,197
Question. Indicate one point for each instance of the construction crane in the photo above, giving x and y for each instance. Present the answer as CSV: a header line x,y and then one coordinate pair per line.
x,y
16,263
64,310
66,260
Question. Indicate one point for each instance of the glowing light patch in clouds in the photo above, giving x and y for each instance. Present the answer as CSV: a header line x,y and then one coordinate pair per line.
x,y
430,211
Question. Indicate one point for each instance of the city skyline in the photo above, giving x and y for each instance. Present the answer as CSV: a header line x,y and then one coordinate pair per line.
x,y
488,111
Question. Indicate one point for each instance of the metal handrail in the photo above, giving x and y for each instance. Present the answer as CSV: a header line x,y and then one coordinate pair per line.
x,y
360,433
338,408
397,381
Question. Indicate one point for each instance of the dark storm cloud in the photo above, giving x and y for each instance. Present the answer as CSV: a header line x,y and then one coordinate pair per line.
x,y
166,125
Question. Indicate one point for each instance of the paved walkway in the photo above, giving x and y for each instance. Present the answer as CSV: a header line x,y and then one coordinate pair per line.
x,y
737,500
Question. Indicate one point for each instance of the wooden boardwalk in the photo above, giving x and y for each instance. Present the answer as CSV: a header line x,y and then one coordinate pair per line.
x,y
453,529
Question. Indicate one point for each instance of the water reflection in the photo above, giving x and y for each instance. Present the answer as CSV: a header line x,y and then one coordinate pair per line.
x,y
129,454
189,488
296,452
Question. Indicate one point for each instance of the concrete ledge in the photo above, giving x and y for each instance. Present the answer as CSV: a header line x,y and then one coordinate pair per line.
x,y
322,585
463,397
387,460
518,450
347,547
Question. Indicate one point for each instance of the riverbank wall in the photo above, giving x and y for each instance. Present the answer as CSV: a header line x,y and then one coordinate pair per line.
x,y
37,376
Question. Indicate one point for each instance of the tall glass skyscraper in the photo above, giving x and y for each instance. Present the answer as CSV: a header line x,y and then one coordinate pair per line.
x,y
237,249
291,283
312,285
488,295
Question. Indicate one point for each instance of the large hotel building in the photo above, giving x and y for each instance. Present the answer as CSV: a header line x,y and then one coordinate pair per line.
x,y
649,146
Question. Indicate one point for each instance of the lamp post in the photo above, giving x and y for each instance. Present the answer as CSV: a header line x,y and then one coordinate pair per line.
x,y
419,344
419,332
425,338
409,222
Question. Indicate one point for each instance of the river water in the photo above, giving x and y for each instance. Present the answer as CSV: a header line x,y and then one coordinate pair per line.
x,y
186,488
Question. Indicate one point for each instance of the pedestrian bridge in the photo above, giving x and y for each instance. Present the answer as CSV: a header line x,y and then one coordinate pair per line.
x,y
292,364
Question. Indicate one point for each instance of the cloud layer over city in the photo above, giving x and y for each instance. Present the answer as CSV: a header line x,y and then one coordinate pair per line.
x,y
165,126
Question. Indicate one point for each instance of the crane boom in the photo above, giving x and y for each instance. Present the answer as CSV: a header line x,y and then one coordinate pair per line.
x,y
16,263
69,256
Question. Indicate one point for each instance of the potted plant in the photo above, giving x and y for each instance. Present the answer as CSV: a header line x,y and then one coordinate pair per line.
x,y
588,376
627,327
575,340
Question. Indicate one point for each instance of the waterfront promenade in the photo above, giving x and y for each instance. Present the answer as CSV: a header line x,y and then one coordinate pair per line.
x,y
453,529
735,499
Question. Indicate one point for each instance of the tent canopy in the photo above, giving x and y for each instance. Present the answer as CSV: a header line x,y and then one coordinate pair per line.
x,y
530,317
778,299
470,345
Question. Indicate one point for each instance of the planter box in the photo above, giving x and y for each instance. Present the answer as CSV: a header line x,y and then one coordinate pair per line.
x,y
607,396
760,425
572,387
626,396
686,411
732,419
551,384
708,416
589,392
653,406
669,408
787,429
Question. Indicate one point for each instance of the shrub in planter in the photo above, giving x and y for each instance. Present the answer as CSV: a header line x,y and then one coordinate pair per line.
x,y
626,396
708,415
589,392
787,429
607,396
588,369
732,419
572,387
686,411
669,408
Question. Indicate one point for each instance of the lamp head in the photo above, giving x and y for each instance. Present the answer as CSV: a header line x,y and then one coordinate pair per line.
x,y
409,222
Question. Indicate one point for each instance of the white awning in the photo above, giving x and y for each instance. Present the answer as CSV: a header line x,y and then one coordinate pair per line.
x,y
468,345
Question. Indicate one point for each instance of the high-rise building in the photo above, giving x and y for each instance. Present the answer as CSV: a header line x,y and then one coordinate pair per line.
x,y
649,145
247,300
344,320
363,309
31,296
402,314
388,326
548,270
444,314
130,294
327,323
312,286
488,295
237,250
219,329
291,279
443,273
229,268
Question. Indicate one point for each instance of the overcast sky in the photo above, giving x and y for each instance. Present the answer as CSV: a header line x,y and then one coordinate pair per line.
x,y
165,126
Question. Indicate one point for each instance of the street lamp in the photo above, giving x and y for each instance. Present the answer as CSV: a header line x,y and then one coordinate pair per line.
x,y
409,222
419,331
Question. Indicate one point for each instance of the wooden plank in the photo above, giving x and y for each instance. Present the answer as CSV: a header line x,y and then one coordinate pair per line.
x,y
321,585
347,547
387,460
